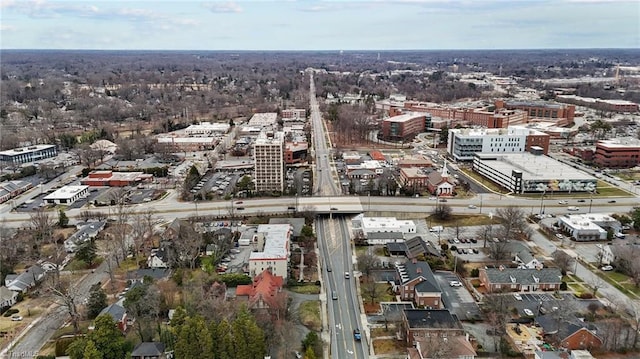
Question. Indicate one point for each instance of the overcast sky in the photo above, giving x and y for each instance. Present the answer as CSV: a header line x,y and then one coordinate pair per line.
x,y
319,25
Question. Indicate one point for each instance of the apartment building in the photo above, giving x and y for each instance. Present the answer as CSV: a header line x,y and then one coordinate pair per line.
x,y
464,144
268,153
621,152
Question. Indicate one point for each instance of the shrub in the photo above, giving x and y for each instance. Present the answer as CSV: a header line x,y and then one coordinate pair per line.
x,y
586,296
10,312
563,286
62,344
475,272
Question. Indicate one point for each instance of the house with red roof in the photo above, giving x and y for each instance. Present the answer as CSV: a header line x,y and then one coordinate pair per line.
x,y
264,293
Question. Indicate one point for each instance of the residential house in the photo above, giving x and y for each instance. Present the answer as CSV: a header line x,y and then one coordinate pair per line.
x,y
85,233
119,315
173,229
457,347
264,292
520,280
159,258
605,254
155,274
149,350
8,297
525,259
428,323
572,335
439,184
24,281
415,282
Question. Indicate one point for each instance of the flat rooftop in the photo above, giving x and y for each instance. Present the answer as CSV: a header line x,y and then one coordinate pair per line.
x,y
532,167
276,244
406,117
620,142
389,222
66,192
22,150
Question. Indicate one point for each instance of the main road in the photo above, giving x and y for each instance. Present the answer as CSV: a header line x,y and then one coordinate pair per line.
x,y
334,243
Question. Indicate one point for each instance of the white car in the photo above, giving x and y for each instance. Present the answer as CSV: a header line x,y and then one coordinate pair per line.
x,y
563,202
573,208
472,206
607,268
528,312
16,318
560,236
455,283
517,296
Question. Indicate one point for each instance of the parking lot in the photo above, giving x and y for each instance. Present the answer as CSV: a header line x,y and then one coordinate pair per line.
x,y
457,299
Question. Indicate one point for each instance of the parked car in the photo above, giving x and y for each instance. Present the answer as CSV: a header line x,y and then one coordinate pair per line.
x,y
517,296
612,201
559,236
528,312
581,200
455,283
475,250
16,318
298,355
607,268
473,240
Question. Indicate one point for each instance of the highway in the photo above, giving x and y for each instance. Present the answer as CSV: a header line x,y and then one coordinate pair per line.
x,y
334,243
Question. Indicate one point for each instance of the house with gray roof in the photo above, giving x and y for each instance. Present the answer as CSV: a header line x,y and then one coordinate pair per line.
x,y
520,280
415,282
85,233
149,350
8,297
24,281
569,333
118,313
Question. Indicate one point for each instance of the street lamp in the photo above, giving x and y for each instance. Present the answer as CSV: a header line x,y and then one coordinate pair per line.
x,y
590,200
542,201
480,203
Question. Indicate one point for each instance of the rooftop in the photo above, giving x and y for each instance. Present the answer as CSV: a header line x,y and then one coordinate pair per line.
x,y
29,149
276,244
532,167
405,117
66,192
262,119
269,138
440,319
509,131
622,142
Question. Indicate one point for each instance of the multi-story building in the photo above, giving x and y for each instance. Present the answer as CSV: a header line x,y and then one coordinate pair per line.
x,y
618,152
268,152
295,152
468,116
404,127
529,173
207,129
294,114
271,253
18,156
463,144
520,280
559,113
600,104
263,119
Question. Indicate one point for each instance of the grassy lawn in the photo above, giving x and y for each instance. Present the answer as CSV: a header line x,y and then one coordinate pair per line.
x,y
607,190
305,289
309,312
380,332
389,346
462,220
383,290
621,282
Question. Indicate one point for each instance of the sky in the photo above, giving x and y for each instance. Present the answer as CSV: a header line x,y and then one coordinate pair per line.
x,y
319,25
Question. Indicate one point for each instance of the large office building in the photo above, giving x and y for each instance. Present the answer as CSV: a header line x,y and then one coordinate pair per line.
x,y
18,156
560,114
464,143
618,153
405,126
271,250
268,152
529,173
588,227
476,115
67,195
622,106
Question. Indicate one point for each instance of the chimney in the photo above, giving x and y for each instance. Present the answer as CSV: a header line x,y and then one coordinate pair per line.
x,y
414,260
418,270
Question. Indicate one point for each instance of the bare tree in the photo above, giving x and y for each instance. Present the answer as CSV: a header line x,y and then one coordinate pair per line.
x,y
221,242
497,314
187,245
42,225
367,262
499,251
67,294
595,282
371,290
442,211
142,228
562,260
512,221
485,233
122,214
458,230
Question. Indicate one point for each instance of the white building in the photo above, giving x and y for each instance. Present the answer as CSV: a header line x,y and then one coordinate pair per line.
x,y
386,224
67,195
268,153
527,173
29,154
206,129
588,227
272,243
605,252
264,119
464,143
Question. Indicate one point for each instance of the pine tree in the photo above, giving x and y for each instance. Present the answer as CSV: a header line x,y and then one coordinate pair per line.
x,y
194,340
91,352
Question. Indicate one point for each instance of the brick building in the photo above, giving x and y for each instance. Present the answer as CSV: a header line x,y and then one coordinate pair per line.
x,y
559,113
618,153
404,127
